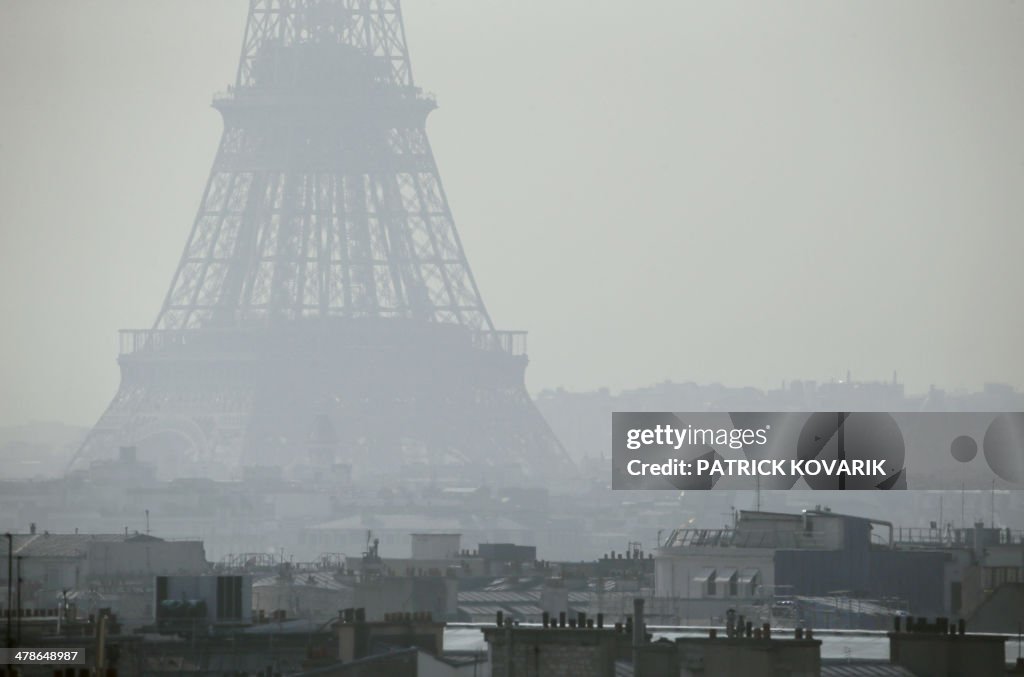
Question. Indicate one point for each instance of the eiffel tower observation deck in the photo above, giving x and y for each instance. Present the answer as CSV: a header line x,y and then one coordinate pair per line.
x,y
323,312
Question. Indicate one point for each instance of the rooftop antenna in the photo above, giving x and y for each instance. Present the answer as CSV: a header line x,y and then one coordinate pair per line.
x,y
992,517
963,500
10,580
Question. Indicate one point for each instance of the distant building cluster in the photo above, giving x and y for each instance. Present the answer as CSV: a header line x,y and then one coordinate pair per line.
x,y
777,593
582,419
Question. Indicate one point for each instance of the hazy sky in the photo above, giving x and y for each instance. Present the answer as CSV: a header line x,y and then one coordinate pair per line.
x,y
741,192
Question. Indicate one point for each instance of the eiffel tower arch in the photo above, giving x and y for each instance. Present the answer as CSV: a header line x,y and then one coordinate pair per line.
x,y
323,310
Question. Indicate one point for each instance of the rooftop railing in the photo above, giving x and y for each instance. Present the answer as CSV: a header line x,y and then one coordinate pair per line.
x,y
968,536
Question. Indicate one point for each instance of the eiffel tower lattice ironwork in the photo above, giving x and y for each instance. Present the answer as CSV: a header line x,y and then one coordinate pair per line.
x,y
323,310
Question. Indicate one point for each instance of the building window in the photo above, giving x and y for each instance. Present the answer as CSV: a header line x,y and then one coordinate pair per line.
x,y
229,598
747,581
705,581
727,579
995,576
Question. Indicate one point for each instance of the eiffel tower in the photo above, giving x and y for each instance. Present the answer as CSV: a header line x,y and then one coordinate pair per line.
x,y
323,311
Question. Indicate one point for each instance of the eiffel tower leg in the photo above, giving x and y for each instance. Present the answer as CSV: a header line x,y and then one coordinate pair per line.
x,y
323,306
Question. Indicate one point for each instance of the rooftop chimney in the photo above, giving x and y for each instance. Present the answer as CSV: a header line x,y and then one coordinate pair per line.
x,y
638,633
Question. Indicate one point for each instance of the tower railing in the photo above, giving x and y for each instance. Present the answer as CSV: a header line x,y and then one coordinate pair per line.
x,y
233,93
156,341
511,342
